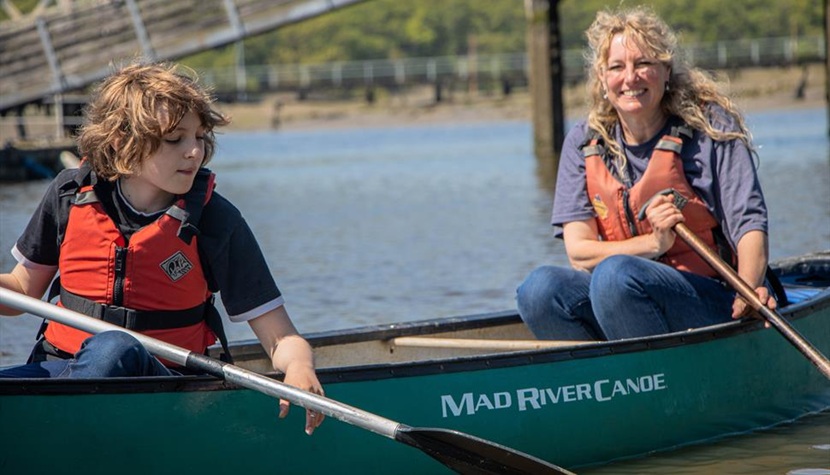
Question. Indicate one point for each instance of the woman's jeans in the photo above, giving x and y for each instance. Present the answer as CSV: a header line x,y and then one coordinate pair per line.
x,y
108,354
624,297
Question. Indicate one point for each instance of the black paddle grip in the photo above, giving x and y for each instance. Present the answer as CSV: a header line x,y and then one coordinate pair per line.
x,y
205,364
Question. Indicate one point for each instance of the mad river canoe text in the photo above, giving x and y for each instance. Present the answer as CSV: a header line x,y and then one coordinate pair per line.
x,y
602,390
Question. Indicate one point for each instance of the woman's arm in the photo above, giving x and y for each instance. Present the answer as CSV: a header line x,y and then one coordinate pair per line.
x,y
585,250
290,354
753,258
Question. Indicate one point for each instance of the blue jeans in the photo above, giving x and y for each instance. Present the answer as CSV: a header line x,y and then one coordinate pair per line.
x,y
108,354
624,297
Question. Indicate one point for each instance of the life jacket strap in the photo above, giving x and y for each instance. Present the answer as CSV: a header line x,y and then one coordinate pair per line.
x,y
593,149
679,130
214,322
670,145
777,287
138,320
189,210
45,351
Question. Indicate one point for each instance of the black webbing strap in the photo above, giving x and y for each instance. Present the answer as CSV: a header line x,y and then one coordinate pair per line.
x,y
680,130
45,351
777,288
54,291
194,203
214,322
138,320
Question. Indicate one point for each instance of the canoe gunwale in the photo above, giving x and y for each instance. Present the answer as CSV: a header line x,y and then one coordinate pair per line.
x,y
581,351
456,364
159,384
418,368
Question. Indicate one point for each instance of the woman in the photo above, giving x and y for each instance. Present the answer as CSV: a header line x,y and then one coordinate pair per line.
x,y
659,137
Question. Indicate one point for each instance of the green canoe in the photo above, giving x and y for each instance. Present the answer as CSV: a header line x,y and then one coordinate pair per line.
x,y
573,404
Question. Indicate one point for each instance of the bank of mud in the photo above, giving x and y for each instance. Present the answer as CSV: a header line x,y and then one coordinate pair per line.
x,y
752,89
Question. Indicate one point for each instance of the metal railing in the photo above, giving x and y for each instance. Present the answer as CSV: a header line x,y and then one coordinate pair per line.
x,y
234,84
759,52
66,51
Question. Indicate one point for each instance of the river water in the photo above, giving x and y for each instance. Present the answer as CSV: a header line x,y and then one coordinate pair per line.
x,y
391,224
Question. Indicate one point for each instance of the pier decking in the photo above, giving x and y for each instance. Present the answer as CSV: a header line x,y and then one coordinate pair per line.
x,y
60,52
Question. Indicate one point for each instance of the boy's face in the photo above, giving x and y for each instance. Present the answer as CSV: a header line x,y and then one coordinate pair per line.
x,y
172,168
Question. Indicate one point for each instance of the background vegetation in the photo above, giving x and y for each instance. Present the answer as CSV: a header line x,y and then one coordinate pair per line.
x,y
380,29
388,29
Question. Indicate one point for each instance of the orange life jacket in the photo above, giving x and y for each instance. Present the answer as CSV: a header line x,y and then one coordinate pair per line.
x,y
154,284
621,209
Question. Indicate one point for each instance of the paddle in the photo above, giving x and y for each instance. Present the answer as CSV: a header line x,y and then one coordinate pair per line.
x,y
461,452
748,294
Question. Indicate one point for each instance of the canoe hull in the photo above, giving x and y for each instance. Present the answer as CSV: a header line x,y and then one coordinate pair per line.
x,y
572,406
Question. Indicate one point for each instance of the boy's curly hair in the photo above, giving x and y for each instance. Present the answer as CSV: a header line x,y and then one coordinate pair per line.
x,y
134,108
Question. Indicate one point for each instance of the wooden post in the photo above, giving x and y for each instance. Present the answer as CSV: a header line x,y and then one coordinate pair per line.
x,y
546,80
59,119
239,51
241,76
472,65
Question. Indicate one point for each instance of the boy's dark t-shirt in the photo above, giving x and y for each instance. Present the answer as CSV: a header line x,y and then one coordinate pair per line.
x,y
232,258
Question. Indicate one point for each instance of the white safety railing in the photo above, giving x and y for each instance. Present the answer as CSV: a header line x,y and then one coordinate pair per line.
x,y
503,66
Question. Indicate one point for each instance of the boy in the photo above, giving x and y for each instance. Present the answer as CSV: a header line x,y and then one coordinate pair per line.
x,y
140,239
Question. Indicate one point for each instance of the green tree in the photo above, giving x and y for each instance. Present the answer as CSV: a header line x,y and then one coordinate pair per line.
x,y
379,29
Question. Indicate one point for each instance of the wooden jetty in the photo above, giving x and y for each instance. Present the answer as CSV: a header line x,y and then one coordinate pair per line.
x,y
60,52
25,161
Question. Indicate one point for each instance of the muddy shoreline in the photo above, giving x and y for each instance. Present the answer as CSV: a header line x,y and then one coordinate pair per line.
x,y
752,90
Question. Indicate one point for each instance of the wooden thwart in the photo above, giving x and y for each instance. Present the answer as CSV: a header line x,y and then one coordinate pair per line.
x,y
481,344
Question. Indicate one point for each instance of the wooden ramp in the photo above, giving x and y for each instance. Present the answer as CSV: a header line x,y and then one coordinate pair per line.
x,y
62,52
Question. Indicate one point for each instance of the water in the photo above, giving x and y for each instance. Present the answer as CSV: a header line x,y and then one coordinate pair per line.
x,y
406,223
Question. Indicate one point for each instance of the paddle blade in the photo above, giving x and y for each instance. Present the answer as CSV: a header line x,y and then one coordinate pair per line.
x,y
469,455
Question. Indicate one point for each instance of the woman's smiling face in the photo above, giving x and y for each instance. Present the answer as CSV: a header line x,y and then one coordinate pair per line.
x,y
634,81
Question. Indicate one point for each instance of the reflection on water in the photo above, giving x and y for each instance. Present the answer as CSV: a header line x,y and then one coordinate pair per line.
x,y
385,225
801,448
389,225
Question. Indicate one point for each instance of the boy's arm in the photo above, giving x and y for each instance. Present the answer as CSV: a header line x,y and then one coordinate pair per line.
x,y
26,280
290,354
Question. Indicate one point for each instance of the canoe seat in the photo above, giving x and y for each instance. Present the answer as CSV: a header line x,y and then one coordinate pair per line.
x,y
800,294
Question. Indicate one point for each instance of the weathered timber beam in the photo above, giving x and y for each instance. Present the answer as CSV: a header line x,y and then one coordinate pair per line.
x,y
140,30
58,82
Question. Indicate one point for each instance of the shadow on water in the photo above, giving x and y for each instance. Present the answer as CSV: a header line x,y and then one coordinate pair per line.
x,y
800,448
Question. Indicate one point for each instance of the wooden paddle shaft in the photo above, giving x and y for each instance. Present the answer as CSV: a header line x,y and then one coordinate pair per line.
x,y
481,343
748,294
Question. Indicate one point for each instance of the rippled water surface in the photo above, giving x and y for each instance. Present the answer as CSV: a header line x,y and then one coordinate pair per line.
x,y
397,224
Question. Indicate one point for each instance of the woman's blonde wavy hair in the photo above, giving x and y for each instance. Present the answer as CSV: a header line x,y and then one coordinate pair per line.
x,y
134,108
691,91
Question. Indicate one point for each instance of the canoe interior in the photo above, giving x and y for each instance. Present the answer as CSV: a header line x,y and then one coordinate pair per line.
x,y
806,280
376,345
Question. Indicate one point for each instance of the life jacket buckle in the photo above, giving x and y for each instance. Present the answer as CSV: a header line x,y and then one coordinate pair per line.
x,y
679,201
123,317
